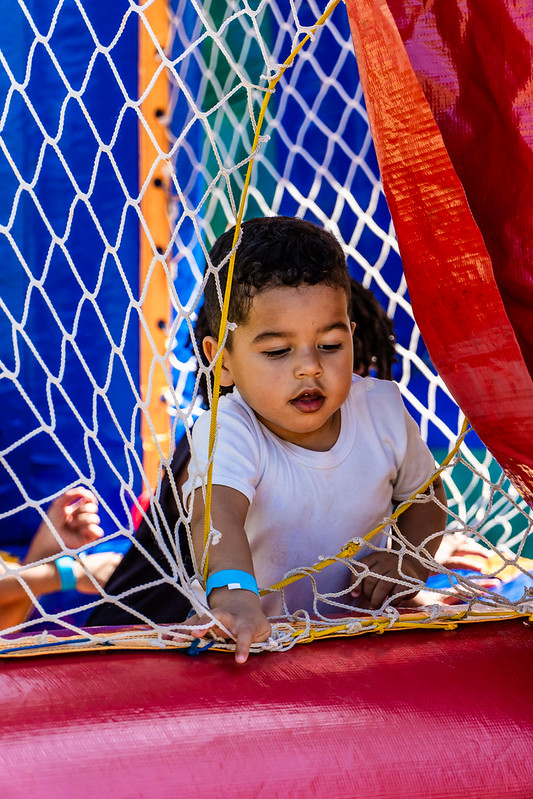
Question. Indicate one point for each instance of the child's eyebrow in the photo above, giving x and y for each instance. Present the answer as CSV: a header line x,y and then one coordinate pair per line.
x,y
288,334
270,334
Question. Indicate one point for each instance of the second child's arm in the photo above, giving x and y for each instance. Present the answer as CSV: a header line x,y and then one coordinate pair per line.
x,y
238,610
419,525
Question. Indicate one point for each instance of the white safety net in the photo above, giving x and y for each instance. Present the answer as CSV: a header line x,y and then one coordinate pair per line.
x,y
313,158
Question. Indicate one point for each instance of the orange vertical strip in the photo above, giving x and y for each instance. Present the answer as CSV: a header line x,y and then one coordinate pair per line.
x,y
153,176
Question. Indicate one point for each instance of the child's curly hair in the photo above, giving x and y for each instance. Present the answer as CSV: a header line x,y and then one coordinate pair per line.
x,y
374,341
272,251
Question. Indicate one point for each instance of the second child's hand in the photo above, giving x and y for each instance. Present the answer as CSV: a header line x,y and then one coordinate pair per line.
x,y
239,612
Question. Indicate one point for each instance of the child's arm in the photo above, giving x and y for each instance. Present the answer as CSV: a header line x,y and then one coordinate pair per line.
x,y
74,516
238,610
417,524
44,578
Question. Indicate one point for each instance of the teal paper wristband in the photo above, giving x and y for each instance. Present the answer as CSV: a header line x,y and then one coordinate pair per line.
x,y
232,579
65,567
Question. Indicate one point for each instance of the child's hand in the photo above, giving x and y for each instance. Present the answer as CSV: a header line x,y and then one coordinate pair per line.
x,y
240,613
373,590
74,516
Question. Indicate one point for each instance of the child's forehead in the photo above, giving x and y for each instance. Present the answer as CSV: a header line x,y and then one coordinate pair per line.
x,y
294,302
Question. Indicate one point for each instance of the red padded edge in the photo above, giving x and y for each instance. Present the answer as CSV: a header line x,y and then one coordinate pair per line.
x,y
410,714
453,291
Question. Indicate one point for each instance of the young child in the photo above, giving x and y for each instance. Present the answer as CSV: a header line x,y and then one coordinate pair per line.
x,y
308,455
141,580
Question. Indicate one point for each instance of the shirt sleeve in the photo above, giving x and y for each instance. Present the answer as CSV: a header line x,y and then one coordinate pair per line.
x,y
236,456
418,464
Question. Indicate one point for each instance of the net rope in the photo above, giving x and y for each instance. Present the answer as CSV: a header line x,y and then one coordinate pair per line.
x,y
265,116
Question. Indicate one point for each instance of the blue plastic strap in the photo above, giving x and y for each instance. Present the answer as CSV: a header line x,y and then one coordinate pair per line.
x,y
232,579
195,648
65,567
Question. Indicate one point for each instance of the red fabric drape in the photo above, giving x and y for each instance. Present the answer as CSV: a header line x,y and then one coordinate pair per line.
x,y
456,294
474,62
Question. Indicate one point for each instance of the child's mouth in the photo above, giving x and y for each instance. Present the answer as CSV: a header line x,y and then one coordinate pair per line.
x,y
308,401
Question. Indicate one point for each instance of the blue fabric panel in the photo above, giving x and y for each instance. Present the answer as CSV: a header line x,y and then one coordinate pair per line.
x,y
74,353
513,589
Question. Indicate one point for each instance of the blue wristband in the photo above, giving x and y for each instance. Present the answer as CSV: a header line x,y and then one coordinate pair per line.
x,y
65,567
232,579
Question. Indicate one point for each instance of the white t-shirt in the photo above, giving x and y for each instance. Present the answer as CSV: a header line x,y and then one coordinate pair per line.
x,y
305,505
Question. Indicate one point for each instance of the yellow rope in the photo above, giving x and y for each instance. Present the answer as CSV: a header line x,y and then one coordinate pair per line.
x,y
225,307
351,547
416,621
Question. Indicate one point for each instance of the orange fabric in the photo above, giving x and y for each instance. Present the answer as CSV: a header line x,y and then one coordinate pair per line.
x,y
453,291
154,237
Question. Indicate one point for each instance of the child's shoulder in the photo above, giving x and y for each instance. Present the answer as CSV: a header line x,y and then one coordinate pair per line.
x,y
385,389
379,400
232,411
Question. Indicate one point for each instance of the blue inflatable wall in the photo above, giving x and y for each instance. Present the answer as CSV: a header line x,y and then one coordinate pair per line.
x,y
68,334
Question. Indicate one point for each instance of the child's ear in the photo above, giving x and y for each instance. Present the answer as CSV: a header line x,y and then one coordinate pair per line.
x,y
210,346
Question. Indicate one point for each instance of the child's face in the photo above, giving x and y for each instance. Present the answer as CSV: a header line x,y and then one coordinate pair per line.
x,y
292,362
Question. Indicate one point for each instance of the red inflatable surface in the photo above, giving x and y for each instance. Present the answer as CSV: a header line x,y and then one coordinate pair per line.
x,y
454,195
433,714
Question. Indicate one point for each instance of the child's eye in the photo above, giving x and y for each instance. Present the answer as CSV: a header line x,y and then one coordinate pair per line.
x,y
276,353
330,347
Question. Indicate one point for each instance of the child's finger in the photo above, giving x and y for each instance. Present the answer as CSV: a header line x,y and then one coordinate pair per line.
x,y
242,649
86,524
183,631
243,643
202,630
376,591
82,519
398,595
82,513
205,625
247,635
77,495
80,509
92,532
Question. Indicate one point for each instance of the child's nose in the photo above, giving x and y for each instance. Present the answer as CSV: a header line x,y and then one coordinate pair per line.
x,y
309,365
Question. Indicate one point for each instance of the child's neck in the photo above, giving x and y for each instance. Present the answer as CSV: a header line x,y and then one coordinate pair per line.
x,y
317,441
